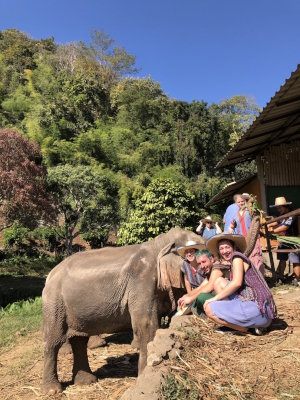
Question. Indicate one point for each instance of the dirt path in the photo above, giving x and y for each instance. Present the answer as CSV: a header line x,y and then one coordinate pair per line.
x,y
115,364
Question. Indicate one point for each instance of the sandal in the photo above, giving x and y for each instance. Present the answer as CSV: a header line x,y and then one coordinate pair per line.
x,y
224,330
257,331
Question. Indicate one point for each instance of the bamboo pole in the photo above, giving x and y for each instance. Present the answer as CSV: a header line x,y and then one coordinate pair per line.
x,y
270,252
290,214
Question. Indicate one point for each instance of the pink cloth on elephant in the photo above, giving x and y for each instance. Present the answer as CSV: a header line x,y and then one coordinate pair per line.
x,y
257,259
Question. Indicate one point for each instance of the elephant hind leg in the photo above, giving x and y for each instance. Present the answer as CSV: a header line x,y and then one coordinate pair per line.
x,y
50,384
82,374
54,331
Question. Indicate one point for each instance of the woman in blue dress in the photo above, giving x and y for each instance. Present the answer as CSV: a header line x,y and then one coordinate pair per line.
x,y
244,302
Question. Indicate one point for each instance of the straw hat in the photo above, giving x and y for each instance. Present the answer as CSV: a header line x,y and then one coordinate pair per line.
x,y
280,201
208,218
213,243
190,244
246,196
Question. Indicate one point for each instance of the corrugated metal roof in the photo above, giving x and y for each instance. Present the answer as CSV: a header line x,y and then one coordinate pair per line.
x,y
279,122
230,190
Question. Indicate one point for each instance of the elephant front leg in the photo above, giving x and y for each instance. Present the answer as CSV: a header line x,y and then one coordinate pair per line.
x,y
50,384
144,329
82,374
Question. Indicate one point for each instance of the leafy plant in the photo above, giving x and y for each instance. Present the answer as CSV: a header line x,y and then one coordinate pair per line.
x,y
163,206
174,390
15,235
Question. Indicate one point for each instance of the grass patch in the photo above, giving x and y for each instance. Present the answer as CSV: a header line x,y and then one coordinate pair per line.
x,y
25,320
174,389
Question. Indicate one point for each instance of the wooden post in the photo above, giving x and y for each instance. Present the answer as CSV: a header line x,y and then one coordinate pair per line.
x,y
289,214
270,253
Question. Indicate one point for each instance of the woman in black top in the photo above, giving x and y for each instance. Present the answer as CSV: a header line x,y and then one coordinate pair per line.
x,y
287,227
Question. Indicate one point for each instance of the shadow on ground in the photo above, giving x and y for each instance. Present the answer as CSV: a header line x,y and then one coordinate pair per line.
x,y
16,288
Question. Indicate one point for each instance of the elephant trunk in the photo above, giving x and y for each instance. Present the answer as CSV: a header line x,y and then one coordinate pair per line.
x,y
252,235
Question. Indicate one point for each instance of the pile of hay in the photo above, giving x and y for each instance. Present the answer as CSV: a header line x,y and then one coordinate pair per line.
x,y
243,366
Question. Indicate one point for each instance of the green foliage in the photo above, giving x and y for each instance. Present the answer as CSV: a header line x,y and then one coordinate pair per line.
x,y
76,103
236,115
172,389
96,237
49,236
164,205
20,304
15,235
87,199
15,265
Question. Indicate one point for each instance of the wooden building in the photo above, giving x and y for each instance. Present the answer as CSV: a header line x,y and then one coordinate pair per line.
x,y
274,141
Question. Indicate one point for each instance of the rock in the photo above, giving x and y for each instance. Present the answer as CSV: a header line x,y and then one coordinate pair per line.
x,y
179,334
150,348
173,353
181,321
178,345
191,329
163,344
146,387
96,341
154,359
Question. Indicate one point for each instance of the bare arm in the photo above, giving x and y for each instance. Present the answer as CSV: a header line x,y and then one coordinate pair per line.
x,y
199,228
190,297
188,286
235,284
205,287
218,229
280,229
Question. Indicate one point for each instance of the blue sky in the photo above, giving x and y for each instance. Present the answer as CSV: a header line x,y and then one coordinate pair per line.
x,y
196,49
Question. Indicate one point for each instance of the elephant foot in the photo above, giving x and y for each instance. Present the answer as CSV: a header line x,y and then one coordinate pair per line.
x,y
84,378
65,349
96,341
51,388
135,344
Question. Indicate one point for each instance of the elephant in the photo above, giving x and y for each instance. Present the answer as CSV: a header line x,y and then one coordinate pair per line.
x,y
110,290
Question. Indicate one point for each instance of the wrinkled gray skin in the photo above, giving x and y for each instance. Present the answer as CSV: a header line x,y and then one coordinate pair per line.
x,y
106,291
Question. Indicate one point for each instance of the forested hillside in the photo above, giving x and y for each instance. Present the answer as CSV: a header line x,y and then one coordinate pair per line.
x,y
105,135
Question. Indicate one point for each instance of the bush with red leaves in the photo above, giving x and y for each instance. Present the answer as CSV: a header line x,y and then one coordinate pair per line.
x,y
23,182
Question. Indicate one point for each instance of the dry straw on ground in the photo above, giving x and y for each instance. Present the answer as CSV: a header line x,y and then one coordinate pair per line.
x,y
244,366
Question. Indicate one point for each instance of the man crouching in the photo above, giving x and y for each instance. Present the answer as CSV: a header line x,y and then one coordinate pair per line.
x,y
205,291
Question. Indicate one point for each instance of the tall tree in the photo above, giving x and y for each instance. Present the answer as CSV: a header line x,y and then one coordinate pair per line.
x,y
236,114
23,183
87,200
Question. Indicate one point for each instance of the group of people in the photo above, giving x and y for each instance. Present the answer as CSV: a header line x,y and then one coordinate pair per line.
x,y
236,220
225,285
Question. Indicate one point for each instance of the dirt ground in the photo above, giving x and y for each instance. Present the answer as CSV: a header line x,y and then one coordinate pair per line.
x,y
115,364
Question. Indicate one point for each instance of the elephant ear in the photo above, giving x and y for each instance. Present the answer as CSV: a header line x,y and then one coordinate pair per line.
x,y
169,269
